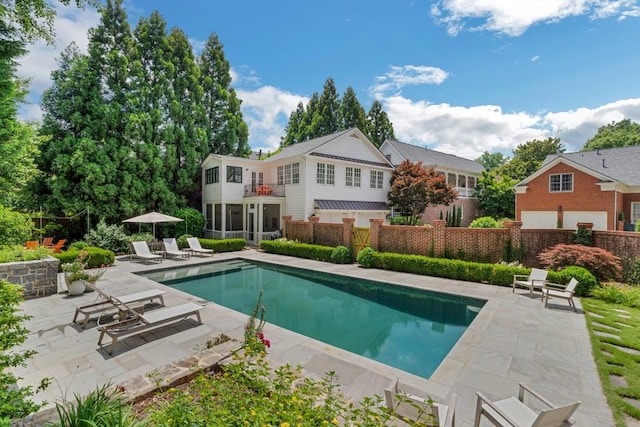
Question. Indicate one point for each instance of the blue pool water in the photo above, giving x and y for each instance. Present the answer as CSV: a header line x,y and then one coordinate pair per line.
x,y
409,329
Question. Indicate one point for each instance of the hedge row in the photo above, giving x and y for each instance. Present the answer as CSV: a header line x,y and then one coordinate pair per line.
x,y
300,250
95,258
223,245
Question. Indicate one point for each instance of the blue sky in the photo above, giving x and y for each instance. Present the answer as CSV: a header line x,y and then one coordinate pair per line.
x,y
459,76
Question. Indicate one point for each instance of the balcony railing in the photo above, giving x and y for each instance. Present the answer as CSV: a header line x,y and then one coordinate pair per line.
x,y
272,190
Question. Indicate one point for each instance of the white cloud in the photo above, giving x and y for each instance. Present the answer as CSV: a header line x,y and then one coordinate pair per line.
x,y
535,58
71,25
266,111
407,75
514,17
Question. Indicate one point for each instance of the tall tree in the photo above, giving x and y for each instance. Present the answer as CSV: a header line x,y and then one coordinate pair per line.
x,y
495,195
325,117
351,113
615,134
413,188
292,131
379,127
226,130
528,157
490,161
306,131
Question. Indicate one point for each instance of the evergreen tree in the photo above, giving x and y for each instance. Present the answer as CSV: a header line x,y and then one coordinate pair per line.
x,y
351,113
292,131
226,130
307,126
325,119
379,126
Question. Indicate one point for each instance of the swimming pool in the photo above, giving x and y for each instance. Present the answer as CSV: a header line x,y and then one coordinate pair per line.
x,y
409,329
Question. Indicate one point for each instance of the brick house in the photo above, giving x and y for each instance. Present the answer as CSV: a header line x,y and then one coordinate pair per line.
x,y
600,186
462,174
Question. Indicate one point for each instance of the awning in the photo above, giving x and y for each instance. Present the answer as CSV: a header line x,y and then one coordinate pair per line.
x,y
350,205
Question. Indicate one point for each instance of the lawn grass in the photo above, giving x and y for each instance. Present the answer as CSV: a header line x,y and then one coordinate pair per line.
x,y
615,339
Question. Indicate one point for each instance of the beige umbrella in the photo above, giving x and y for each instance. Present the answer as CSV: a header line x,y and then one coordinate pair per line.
x,y
153,218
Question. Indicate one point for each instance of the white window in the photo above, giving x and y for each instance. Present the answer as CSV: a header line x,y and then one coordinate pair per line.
x,y
287,174
635,212
561,182
331,174
280,175
295,173
352,177
376,179
321,173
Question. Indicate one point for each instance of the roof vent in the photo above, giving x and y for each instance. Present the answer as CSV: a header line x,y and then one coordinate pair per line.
x,y
598,152
603,165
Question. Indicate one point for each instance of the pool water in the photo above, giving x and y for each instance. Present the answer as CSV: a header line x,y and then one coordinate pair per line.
x,y
409,329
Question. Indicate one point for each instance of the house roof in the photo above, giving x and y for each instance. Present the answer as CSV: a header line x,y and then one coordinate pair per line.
x,y
350,205
432,158
307,146
609,164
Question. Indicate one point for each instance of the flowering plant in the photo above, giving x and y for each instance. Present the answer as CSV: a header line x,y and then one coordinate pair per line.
x,y
254,340
76,269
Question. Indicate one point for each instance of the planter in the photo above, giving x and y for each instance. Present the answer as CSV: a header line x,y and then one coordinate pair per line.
x,y
77,287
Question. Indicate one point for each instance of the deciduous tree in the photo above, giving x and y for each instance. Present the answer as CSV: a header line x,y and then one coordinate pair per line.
x,y
616,134
490,161
495,195
528,157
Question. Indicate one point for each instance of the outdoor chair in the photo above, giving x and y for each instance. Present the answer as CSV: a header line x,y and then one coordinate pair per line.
x,y
138,323
421,410
556,290
171,248
141,251
196,248
47,242
514,412
534,281
58,246
111,303
31,244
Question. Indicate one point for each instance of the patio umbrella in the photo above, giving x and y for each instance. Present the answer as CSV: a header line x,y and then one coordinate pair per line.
x,y
153,218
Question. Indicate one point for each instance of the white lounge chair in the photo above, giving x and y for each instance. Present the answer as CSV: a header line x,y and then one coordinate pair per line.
x,y
514,412
555,290
141,250
111,303
171,248
196,248
534,281
138,323
424,411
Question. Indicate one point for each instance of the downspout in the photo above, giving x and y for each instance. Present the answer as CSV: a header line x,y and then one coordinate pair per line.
x,y
615,208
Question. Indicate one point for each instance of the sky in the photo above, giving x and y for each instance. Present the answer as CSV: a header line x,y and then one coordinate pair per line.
x,y
458,76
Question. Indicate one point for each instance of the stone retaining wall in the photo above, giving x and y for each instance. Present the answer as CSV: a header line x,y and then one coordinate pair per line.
x,y
38,278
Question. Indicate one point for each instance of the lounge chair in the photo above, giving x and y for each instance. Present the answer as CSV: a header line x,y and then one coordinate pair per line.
x,y
141,250
418,409
534,281
555,290
139,323
196,248
31,244
514,412
109,303
47,242
58,246
171,249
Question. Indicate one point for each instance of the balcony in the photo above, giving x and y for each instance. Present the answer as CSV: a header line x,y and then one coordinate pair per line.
x,y
264,190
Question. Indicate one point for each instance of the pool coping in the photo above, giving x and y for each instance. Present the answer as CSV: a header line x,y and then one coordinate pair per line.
x,y
512,339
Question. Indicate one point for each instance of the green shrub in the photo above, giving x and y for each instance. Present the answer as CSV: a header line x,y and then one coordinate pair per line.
x,y
631,271
341,255
141,237
18,253
182,241
101,407
77,246
96,257
15,227
637,227
193,223
586,280
582,236
222,245
366,257
15,401
618,293
601,263
105,236
301,250
484,222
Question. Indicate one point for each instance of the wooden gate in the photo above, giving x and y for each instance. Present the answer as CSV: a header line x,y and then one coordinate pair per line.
x,y
361,239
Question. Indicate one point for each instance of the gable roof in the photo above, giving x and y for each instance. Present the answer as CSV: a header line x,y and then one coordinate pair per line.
x,y
608,164
432,158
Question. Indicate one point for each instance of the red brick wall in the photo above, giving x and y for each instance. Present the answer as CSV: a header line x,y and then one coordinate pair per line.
x,y
476,244
405,239
469,211
586,195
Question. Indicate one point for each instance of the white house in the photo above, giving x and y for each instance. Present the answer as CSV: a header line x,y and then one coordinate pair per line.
x,y
462,174
335,176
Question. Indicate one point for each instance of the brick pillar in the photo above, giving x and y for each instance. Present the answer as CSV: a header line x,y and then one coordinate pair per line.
x,y
285,221
439,237
587,225
514,228
313,220
376,223
347,231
